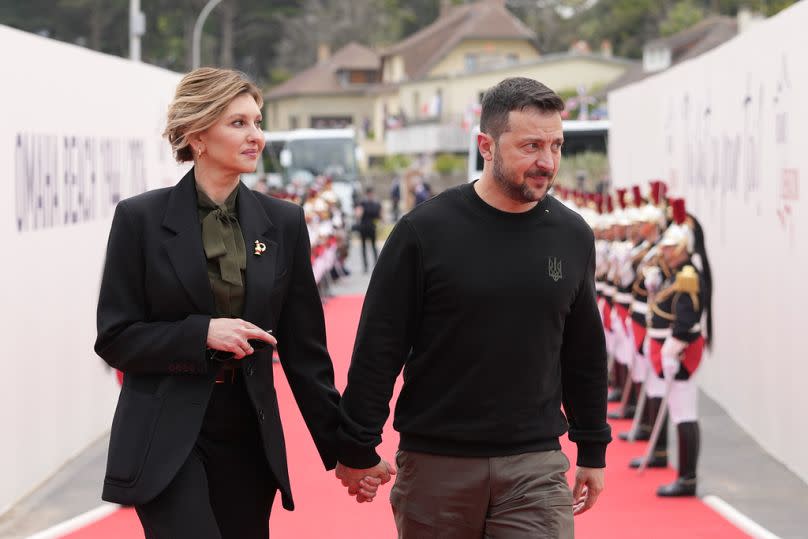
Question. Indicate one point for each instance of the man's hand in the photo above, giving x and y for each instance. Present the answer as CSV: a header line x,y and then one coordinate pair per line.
x,y
363,483
588,486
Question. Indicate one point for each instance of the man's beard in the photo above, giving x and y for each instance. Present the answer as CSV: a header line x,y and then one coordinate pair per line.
x,y
524,193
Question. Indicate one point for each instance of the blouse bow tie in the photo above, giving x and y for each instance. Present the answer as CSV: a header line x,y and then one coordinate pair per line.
x,y
222,239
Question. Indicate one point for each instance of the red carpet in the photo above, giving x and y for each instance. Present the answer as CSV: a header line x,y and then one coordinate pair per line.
x,y
628,509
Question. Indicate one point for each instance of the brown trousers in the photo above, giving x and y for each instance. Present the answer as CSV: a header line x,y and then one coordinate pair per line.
x,y
516,497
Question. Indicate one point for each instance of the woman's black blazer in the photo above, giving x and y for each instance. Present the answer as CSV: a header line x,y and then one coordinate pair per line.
x,y
154,308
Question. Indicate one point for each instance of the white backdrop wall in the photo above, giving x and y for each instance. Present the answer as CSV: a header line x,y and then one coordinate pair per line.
x,y
729,132
79,131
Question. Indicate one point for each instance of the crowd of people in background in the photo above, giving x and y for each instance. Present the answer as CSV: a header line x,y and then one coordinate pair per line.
x,y
327,223
330,224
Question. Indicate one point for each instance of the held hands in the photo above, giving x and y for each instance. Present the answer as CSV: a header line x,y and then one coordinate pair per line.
x,y
363,483
588,486
231,335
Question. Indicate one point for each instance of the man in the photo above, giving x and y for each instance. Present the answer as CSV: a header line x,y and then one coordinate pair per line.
x,y
395,197
485,296
369,211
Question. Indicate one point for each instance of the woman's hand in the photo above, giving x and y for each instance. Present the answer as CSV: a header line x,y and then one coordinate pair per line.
x,y
232,334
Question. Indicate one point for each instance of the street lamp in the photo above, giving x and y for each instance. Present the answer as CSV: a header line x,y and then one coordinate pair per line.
x,y
200,22
137,27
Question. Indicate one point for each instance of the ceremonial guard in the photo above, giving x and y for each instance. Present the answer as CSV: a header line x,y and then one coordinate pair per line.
x,y
676,341
620,286
653,222
610,236
646,220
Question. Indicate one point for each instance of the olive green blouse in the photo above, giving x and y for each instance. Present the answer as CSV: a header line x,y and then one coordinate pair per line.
x,y
225,251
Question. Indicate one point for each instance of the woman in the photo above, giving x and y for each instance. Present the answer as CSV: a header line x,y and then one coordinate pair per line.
x,y
201,281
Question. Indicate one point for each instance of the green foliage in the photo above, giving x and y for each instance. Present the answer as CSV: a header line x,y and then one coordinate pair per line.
x,y
448,163
573,109
273,39
593,166
278,75
627,24
396,163
683,14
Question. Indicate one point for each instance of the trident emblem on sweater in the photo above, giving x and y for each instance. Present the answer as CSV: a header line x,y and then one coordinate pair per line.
x,y
554,269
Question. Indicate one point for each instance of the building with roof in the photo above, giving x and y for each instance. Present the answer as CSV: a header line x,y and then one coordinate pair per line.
x,y
423,94
331,93
664,53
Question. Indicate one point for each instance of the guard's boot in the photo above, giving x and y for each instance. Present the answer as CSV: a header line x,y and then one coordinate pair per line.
x,y
659,458
643,434
645,426
619,380
627,412
685,484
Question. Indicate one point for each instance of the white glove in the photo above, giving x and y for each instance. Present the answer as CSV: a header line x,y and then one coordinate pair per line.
x,y
671,351
670,366
653,279
626,272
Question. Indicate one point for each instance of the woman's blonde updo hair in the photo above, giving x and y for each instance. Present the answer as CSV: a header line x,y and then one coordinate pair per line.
x,y
202,96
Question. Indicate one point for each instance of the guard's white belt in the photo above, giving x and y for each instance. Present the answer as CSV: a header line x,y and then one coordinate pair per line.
x,y
639,307
609,290
623,297
664,333
659,333
599,286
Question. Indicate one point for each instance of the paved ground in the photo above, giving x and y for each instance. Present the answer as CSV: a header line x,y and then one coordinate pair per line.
x,y
733,467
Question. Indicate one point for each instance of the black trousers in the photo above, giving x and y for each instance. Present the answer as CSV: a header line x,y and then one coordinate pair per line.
x,y
368,235
225,489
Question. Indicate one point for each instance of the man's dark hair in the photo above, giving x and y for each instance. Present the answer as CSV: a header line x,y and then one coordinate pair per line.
x,y
515,93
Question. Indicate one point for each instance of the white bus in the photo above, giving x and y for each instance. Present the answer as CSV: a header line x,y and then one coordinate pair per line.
x,y
301,155
579,136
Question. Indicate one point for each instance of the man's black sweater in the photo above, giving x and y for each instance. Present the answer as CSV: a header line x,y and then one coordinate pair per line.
x,y
491,314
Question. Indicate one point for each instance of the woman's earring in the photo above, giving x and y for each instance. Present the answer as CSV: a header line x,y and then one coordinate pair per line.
x,y
199,154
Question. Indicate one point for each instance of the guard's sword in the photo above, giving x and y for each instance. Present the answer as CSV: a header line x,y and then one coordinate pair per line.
x,y
627,387
658,424
635,424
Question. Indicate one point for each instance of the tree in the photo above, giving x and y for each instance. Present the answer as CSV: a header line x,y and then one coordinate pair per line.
x,y
683,14
100,20
271,39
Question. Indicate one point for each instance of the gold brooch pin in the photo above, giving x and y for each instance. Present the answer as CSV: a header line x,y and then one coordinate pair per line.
x,y
259,248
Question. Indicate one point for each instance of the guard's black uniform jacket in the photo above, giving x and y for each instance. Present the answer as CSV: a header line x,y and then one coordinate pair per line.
x,y
676,313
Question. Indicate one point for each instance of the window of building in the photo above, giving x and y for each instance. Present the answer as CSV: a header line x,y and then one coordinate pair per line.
x,y
330,122
359,77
